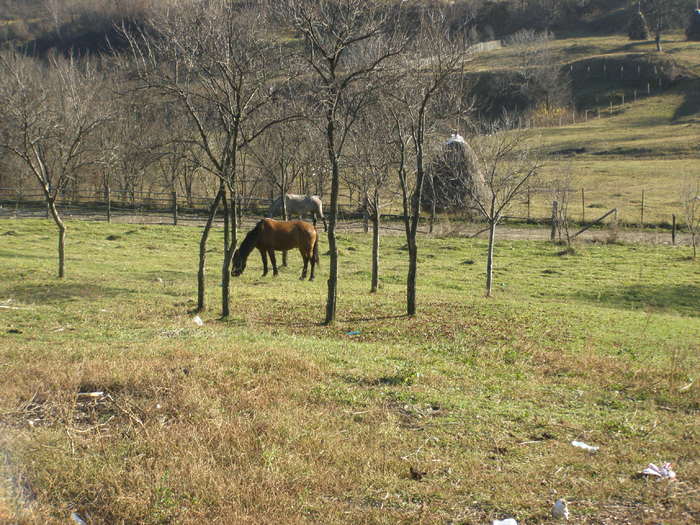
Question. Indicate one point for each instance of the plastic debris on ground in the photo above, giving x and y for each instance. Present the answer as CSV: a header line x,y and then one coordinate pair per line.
x,y
198,320
585,446
509,521
77,519
662,472
560,510
354,332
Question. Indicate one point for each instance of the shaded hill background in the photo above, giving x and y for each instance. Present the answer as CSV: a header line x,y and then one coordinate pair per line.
x,y
89,25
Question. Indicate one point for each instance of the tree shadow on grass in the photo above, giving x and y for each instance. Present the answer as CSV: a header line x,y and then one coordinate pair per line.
x,y
14,255
367,319
681,298
61,292
691,103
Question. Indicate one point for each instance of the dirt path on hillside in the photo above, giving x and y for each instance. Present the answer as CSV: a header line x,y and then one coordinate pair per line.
x,y
442,229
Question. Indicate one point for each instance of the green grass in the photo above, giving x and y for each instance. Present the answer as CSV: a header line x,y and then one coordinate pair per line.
x,y
650,144
270,417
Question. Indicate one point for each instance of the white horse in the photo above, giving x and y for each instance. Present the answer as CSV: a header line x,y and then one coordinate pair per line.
x,y
299,205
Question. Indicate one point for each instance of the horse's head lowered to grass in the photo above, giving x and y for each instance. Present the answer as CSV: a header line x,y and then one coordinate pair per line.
x,y
240,256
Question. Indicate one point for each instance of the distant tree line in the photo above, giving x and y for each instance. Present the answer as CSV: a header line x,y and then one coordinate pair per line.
x,y
88,26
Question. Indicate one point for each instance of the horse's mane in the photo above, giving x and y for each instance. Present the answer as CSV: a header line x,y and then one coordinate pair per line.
x,y
251,239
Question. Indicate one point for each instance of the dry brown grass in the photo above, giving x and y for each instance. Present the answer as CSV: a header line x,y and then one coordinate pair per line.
x,y
269,417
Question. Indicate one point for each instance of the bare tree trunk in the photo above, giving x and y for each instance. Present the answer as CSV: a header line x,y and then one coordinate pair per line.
x,y
411,279
413,230
174,196
375,245
224,201
201,273
432,203
489,257
285,216
365,214
228,254
332,245
51,204
109,203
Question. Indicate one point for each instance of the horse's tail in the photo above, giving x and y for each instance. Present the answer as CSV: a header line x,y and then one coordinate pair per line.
x,y
315,255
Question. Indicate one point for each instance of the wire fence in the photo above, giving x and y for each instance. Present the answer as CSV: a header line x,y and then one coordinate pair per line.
x,y
535,207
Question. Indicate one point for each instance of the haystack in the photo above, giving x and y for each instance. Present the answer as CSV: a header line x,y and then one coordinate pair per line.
x,y
693,31
456,178
638,28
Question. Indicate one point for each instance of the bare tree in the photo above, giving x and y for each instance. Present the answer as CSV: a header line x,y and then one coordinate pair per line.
x,y
217,60
345,43
664,15
135,139
281,155
373,156
422,93
541,80
175,163
690,197
562,191
509,164
50,113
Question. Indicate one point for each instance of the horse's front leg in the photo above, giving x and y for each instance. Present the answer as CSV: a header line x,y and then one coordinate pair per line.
x,y
271,253
264,261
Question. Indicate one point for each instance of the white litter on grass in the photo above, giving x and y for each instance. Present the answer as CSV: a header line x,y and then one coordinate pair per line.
x,y
686,387
560,510
91,394
509,521
585,446
198,320
663,472
76,518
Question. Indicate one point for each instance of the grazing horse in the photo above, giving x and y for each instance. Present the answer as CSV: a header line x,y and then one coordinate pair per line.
x,y
300,205
270,235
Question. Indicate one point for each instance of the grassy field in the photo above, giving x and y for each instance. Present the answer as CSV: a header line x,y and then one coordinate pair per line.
x,y
268,417
650,143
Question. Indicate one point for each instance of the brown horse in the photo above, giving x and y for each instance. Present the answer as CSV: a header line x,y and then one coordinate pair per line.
x,y
270,235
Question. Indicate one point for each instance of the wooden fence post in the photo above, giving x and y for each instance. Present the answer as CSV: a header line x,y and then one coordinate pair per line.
x,y
109,203
174,197
583,205
528,205
641,216
553,233
673,230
